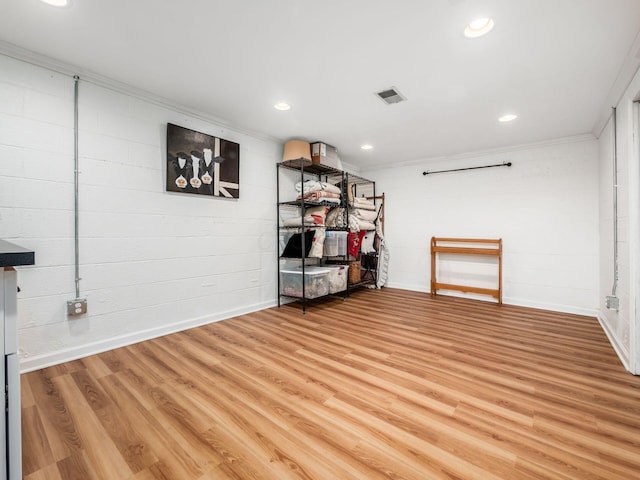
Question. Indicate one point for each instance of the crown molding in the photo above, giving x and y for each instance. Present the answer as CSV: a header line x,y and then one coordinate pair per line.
x,y
18,53
490,152
627,73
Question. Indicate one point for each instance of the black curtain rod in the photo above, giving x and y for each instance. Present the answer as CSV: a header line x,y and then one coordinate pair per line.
x,y
503,164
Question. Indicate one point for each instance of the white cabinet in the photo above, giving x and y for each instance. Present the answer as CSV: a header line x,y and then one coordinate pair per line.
x,y
11,436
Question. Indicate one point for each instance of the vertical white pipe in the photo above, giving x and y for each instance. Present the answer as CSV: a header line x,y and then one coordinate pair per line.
x,y
615,202
76,79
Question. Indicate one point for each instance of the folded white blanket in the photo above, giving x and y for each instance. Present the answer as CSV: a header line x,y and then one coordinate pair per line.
x,y
356,224
335,201
369,215
336,218
319,196
363,203
314,186
296,221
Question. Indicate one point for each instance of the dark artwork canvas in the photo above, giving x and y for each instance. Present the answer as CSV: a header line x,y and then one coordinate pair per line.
x,y
201,164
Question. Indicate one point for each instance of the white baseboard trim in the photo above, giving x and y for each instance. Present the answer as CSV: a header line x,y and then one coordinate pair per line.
x,y
508,301
554,307
42,361
406,286
620,351
74,353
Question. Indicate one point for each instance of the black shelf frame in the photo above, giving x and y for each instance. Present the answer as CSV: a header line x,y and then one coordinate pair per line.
x,y
307,169
355,180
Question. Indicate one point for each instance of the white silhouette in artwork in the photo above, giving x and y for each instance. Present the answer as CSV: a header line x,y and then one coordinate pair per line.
x,y
208,158
195,165
181,182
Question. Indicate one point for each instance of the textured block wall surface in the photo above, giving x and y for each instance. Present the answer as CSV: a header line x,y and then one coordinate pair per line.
x,y
151,262
544,207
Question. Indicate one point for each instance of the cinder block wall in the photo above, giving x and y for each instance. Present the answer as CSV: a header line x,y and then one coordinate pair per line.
x,y
544,207
151,262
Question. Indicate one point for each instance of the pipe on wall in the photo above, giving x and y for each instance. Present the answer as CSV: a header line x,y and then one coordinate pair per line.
x,y
76,182
613,303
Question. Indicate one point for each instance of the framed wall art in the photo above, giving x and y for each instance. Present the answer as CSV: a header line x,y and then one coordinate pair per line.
x,y
201,164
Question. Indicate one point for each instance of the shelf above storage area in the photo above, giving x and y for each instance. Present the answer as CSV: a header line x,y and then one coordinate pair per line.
x,y
300,203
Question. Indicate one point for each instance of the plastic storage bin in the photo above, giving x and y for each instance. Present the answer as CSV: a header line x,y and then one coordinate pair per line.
x,y
338,275
335,244
316,282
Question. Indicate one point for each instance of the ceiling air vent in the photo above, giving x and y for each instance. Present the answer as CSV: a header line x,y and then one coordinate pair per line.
x,y
391,95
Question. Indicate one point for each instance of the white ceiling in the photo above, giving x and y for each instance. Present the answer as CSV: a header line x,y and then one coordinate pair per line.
x,y
553,62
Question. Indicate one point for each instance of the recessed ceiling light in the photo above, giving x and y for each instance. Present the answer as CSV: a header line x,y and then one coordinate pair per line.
x,y
57,3
282,106
507,118
366,147
478,27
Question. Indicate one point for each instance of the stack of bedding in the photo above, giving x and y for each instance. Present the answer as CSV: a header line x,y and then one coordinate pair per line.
x,y
361,219
362,224
307,221
313,216
363,203
314,191
336,218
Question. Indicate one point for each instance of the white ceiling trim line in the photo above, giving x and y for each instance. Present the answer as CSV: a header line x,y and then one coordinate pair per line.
x,y
489,152
630,68
18,53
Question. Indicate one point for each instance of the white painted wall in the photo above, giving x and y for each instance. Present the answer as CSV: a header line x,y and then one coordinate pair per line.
x,y
151,262
544,207
622,325
154,262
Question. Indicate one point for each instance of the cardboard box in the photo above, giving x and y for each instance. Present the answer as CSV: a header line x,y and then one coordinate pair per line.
x,y
325,154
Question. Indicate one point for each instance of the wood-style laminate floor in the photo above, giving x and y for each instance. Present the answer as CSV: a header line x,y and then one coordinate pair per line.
x,y
387,384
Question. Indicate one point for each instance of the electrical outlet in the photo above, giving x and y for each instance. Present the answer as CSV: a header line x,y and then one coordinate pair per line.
x,y
613,303
77,306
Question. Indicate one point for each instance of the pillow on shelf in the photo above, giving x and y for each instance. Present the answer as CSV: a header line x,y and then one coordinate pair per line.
x,y
318,213
317,245
354,241
335,218
366,246
293,249
367,215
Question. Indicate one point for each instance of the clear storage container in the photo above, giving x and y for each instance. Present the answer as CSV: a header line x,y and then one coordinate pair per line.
x,y
338,275
335,244
316,282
